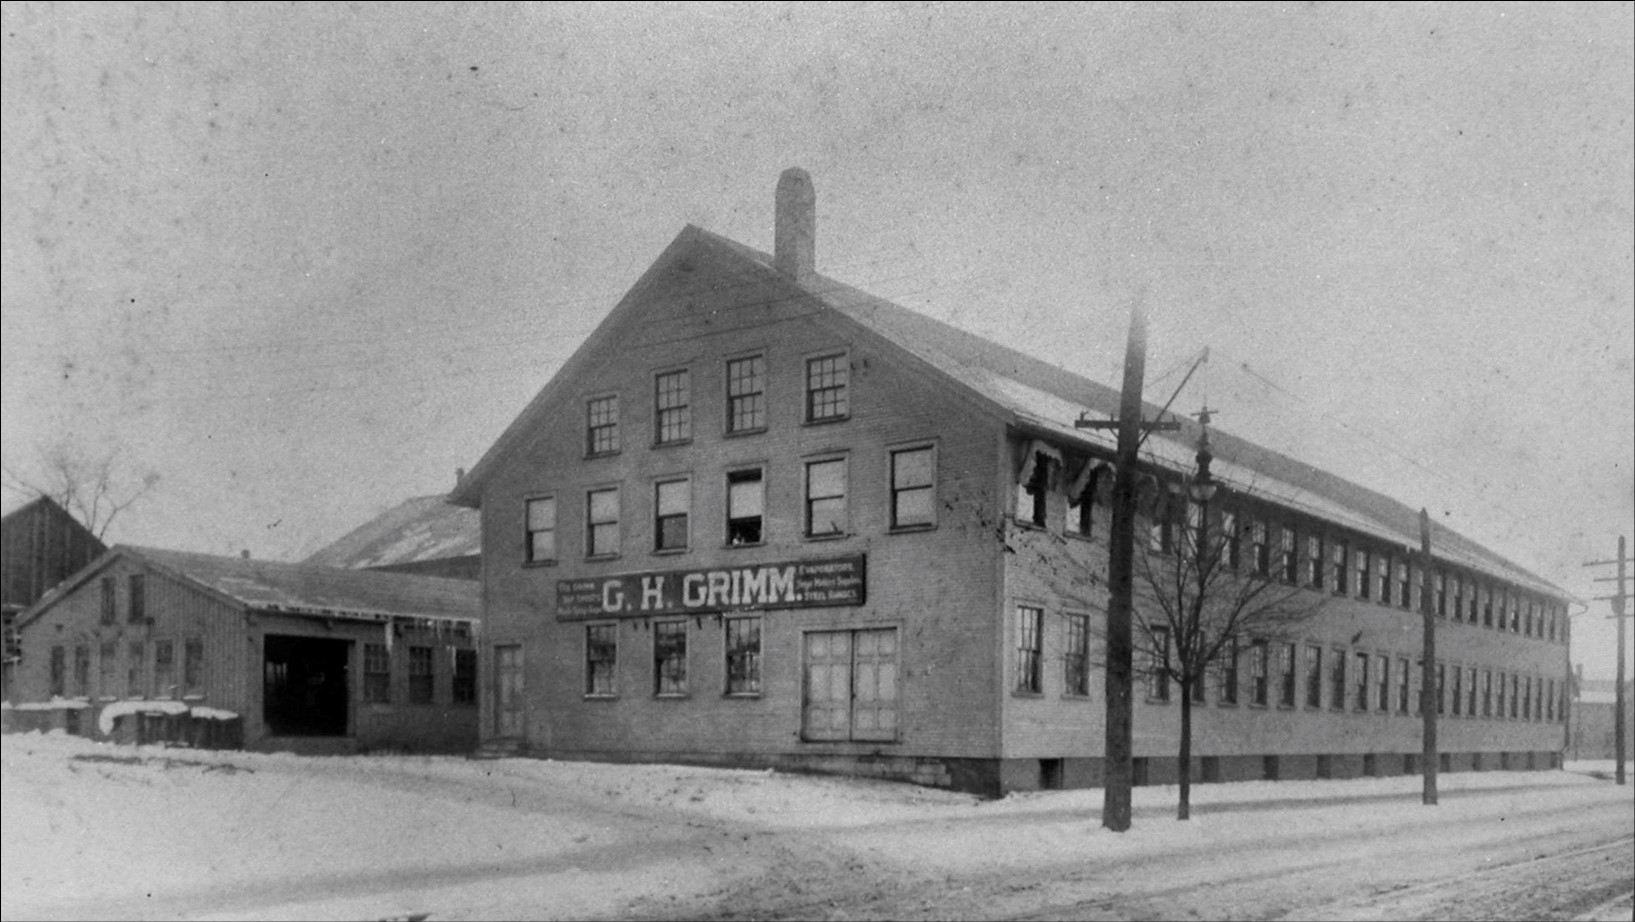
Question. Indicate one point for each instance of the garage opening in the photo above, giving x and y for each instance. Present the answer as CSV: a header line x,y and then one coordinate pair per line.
x,y
304,686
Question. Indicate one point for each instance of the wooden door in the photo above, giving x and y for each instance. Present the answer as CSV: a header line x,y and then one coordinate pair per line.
x,y
508,690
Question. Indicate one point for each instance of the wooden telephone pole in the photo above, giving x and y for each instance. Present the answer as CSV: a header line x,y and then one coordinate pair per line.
x,y
1620,614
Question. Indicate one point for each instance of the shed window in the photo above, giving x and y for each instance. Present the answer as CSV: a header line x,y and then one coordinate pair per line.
x,y
464,690
136,668
59,672
82,670
164,669
422,675
193,666
377,674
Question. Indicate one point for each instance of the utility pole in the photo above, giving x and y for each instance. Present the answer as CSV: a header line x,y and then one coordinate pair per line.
x,y
1427,669
1619,614
1117,775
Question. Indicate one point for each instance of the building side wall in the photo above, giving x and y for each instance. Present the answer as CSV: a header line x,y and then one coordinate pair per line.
x,y
936,587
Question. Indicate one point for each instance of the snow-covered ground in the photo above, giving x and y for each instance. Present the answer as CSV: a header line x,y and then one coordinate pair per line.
x,y
95,830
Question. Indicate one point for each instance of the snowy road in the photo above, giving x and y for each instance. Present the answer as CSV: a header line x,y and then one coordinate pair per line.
x,y
94,831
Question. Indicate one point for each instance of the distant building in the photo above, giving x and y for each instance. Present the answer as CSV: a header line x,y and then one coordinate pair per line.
x,y
41,545
1593,732
764,518
308,658
426,535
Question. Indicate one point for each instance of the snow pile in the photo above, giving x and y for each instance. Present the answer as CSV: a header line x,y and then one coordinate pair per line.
x,y
55,704
204,713
118,709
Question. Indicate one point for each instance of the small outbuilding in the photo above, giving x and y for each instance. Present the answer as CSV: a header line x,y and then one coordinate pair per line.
x,y
295,656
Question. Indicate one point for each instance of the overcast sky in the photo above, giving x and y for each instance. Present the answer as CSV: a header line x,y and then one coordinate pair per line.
x,y
304,262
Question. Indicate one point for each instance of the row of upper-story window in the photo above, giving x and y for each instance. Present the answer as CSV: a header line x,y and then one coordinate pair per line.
x,y
1263,540
825,491
1351,680
744,393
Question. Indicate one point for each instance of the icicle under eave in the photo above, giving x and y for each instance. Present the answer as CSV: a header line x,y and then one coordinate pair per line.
x,y
387,627
1091,476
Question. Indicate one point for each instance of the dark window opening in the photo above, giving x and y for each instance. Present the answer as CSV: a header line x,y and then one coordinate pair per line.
x,y
304,687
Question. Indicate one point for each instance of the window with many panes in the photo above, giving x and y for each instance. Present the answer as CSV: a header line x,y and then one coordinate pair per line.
x,y
1287,674
422,675
463,686
1076,658
540,513
746,505
1260,552
1499,682
1382,574
1458,597
1441,594
1231,541
1336,679
1315,561
110,601
746,394
602,425
137,587
1259,655
1470,691
672,506
377,674
1402,685
1364,574
670,658
602,522
1337,553
1158,664
1029,649
1288,565
1441,688
164,668
1382,683
826,378
672,408
913,487
743,656
1458,691
1226,683
1515,695
601,657
1360,677
1314,676
826,497
1405,596
1487,693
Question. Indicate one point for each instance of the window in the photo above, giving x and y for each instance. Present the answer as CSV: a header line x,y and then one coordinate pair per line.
x,y
1314,676
1314,561
1470,691
1382,683
1402,685
1458,597
1158,665
1530,618
743,656
1420,701
1163,526
1033,490
602,522
1287,675
1260,552
164,668
746,503
1258,665
107,666
1515,695
193,667
1336,680
1363,575
1527,698
541,525
1441,595
1200,692
602,425
1550,701
672,501
1382,572
672,413
1288,564
826,388
1458,691
746,394
1405,596
1337,558
1081,506
137,584
109,601
913,488
82,670
1499,696
601,656
851,685
670,658
1487,606
463,688
1029,648
826,497
1441,688
59,672
1360,701
1231,541
422,675
1487,693
1227,685
136,669
377,674
1076,659
1512,603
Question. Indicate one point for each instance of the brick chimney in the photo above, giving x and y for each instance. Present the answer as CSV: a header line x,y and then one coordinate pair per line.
x,y
794,250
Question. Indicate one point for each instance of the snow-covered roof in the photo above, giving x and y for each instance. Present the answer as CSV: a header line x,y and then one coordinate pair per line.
x,y
298,588
417,530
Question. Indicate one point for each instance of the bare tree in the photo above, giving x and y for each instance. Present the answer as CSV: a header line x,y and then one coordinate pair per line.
x,y
88,485
1210,585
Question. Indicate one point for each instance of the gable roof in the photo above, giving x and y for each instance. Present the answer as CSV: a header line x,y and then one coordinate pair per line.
x,y
295,588
416,530
1044,399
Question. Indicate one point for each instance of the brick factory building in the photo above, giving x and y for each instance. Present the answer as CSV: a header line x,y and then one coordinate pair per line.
x,y
762,518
